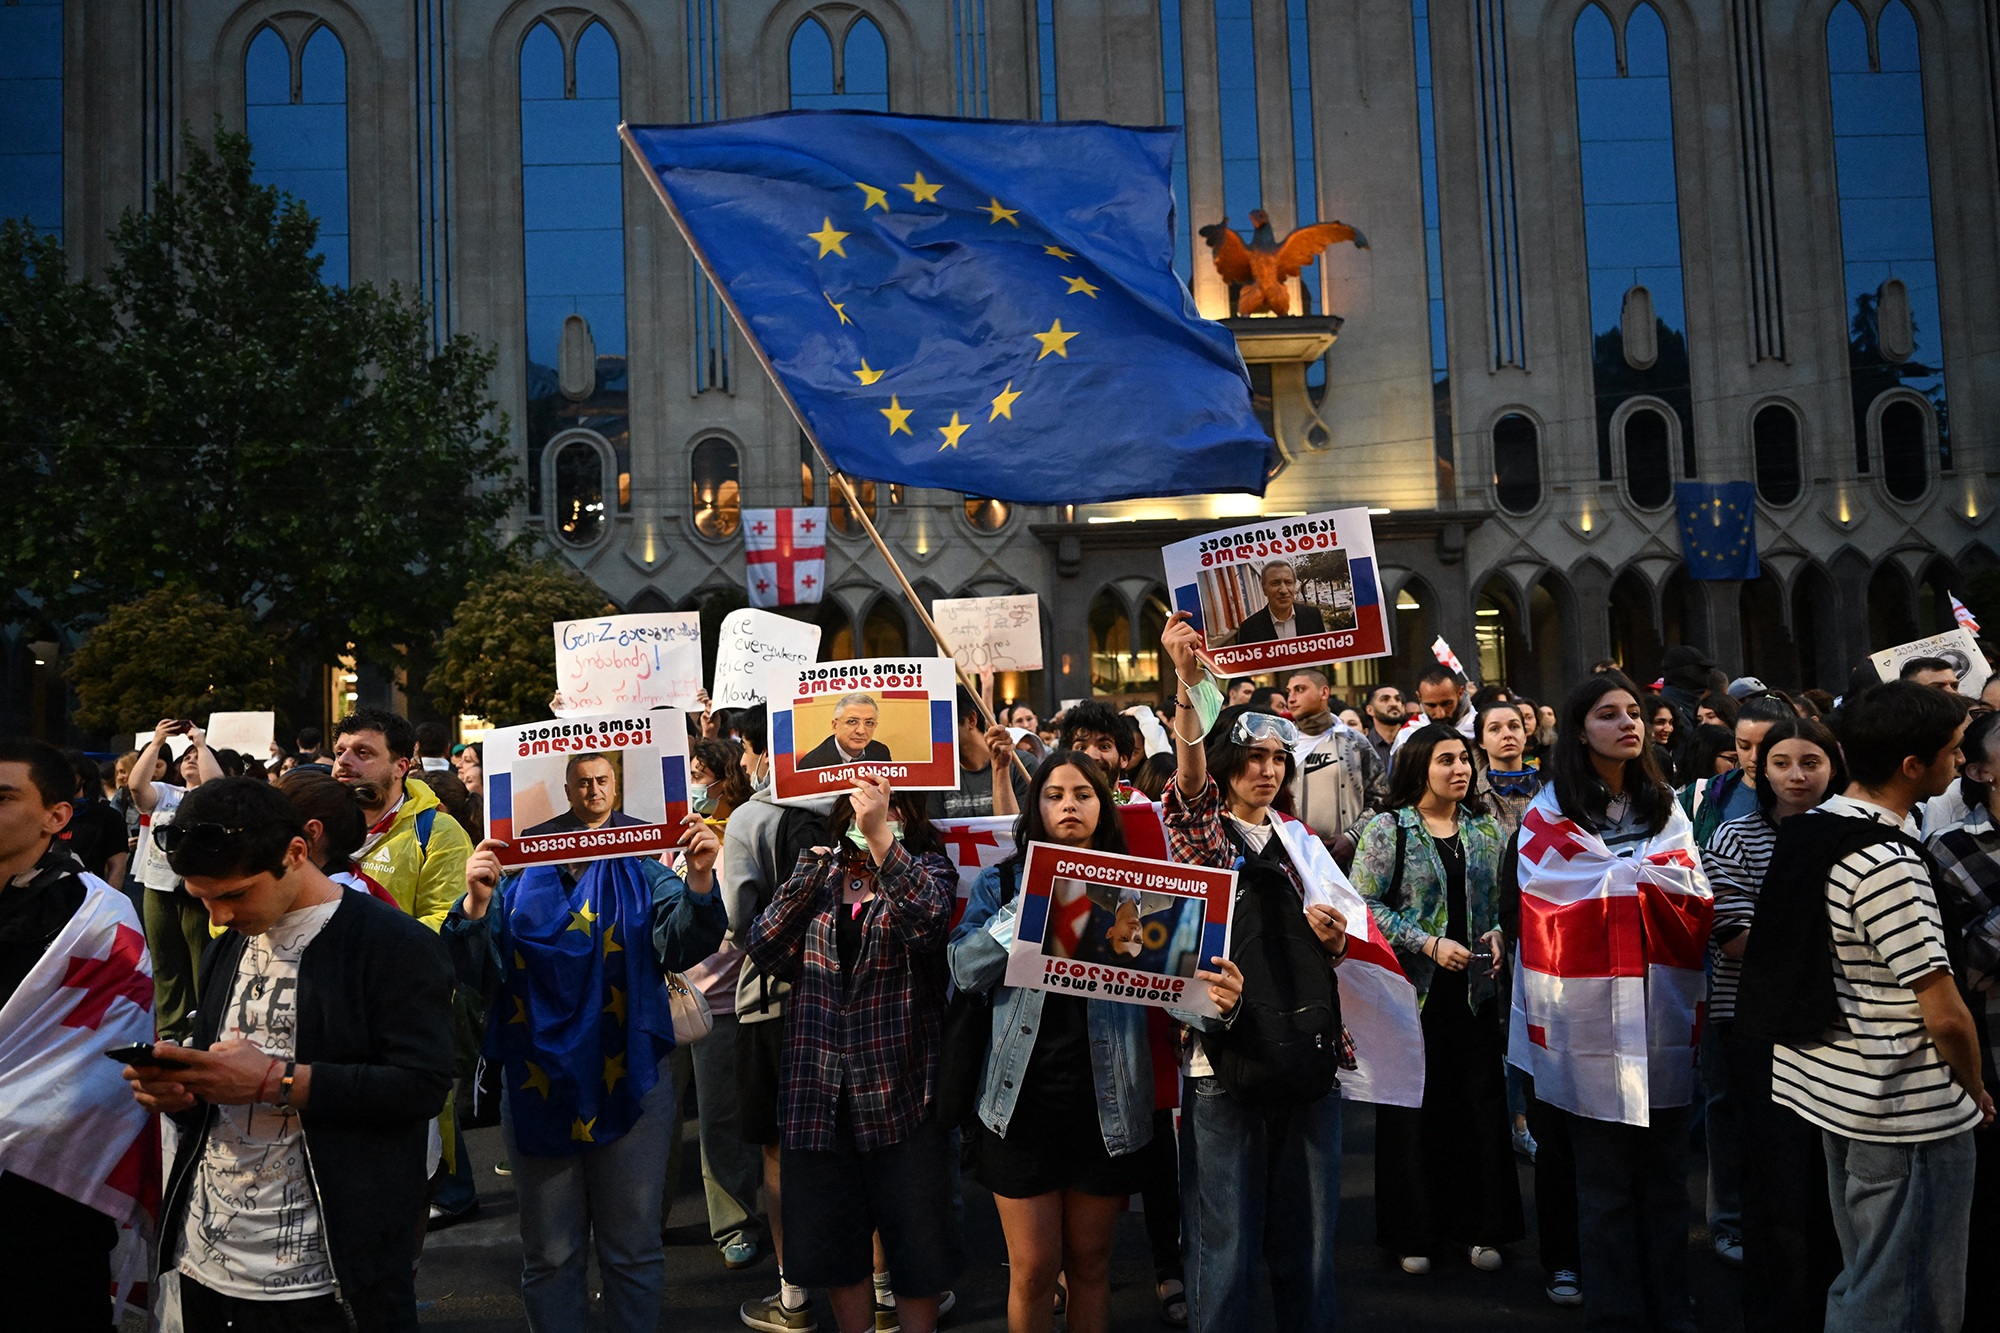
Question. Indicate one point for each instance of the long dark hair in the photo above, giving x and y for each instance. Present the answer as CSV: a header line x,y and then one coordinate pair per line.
x,y
1110,833
1226,758
721,758
1582,794
912,807
1410,779
1812,731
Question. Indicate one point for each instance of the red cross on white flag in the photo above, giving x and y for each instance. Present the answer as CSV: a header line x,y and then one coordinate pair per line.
x,y
785,554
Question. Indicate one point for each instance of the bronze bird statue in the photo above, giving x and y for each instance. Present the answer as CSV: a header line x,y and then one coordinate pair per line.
x,y
1261,269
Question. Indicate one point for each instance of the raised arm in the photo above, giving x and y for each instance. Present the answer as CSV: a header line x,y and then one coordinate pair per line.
x,y
1180,640
140,780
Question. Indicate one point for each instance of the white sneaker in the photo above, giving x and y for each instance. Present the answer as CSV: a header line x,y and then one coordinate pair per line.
x,y
1485,1258
1416,1263
1729,1249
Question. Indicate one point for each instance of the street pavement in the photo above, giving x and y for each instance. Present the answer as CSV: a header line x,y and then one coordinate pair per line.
x,y
470,1278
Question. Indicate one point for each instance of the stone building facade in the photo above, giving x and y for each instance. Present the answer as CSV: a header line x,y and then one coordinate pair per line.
x,y
1613,246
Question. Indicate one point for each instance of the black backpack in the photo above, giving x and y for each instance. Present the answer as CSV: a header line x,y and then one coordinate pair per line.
x,y
1283,1049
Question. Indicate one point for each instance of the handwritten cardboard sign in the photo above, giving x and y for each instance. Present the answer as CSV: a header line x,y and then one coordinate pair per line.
x,y
249,734
588,788
1956,646
992,633
613,663
754,643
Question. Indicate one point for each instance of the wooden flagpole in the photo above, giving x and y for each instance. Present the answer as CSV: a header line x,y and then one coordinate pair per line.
x,y
805,427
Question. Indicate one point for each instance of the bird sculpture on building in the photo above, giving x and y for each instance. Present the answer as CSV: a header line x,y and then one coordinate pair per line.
x,y
1260,269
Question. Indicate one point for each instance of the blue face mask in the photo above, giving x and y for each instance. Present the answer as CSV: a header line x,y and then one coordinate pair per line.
x,y
703,804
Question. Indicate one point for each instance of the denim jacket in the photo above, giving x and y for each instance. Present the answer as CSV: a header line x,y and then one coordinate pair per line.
x,y
1121,1063
1423,890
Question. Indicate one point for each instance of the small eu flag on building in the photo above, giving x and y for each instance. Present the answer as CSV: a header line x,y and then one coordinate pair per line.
x,y
1718,528
982,306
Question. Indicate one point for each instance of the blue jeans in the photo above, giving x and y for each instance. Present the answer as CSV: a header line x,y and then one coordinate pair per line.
x,y
1721,1120
1258,1183
1632,1206
1904,1212
611,1194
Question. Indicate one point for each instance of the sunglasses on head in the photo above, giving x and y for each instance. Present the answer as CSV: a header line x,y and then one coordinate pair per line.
x,y
170,838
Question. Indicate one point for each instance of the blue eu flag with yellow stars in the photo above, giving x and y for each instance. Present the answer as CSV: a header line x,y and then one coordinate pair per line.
x,y
982,306
1718,528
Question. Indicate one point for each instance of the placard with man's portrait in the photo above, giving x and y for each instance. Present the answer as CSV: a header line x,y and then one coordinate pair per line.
x,y
587,788
832,722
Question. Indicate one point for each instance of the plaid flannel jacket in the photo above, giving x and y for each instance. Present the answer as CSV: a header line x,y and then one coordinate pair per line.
x,y
877,1039
1970,856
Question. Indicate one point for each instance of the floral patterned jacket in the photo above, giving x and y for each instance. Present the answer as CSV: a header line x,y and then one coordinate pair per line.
x,y
1422,894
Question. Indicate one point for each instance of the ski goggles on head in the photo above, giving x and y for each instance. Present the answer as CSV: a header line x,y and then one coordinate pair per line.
x,y
1251,728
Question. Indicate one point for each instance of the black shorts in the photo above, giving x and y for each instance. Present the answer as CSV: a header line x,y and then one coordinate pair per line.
x,y
760,1056
1058,1149
834,1201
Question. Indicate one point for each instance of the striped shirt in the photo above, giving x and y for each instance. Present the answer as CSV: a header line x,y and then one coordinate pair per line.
x,y
1735,860
1881,1079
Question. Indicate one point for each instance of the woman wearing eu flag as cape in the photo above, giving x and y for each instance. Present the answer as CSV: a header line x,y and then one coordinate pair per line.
x,y
572,962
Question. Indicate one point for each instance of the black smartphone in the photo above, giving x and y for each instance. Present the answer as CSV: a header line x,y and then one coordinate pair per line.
x,y
143,1057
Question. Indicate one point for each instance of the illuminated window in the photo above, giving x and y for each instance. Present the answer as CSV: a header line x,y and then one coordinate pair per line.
x,y
986,515
579,480
297,121
717,484
839,515
1124,665
883,634
807,477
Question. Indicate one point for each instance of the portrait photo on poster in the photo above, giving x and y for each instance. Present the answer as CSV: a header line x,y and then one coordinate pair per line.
x,y
832,722
1126,928
1282,593
587,788
1956,648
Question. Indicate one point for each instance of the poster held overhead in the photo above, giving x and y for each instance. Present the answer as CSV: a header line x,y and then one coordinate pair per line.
x,y
613,663
992,633
894,718
249,734
752,643
1285,592
1956,646
588,788
1125,928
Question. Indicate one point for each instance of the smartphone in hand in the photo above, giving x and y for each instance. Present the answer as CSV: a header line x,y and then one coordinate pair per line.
x,y
142,1057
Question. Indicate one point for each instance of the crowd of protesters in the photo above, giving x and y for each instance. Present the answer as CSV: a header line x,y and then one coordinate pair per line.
x,y
345,977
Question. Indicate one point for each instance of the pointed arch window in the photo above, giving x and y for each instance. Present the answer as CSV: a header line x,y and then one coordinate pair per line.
x,y
296,116
717,482
858,80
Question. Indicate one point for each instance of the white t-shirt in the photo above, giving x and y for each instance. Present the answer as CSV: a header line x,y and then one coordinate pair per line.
x,y
1881,1079
154,871
253,1225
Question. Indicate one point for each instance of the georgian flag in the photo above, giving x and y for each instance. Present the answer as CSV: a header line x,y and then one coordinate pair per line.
x,y
1963,615
1445,656
67,1118
784,552
1610,989
976,844
1378,1004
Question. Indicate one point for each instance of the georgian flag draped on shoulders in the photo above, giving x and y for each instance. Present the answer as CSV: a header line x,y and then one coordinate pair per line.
x,y
67,1117
1609,997
784,555
1377,1002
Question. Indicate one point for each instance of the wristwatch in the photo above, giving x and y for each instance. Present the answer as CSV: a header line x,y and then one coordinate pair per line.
x,y
285,1086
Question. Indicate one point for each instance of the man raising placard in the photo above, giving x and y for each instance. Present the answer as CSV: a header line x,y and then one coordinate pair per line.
x,y
1282,616
853,740
590,781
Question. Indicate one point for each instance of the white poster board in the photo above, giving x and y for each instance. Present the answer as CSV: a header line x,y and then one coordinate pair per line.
x,y
754,643
992,633
832,722
1956,646
615,663
174,746
587,788
249,734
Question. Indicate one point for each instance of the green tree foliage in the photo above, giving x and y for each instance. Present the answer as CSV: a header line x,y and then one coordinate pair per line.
x,y
498,659
172,653
211,414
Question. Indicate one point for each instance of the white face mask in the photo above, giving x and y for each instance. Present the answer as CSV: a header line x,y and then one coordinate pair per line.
x,y
860,839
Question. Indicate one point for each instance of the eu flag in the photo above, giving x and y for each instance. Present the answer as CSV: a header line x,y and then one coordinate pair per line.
x,y
1718,528
982,306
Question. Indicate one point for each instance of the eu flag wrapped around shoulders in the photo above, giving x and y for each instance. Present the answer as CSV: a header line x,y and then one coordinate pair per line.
x,y
982,306
1718,528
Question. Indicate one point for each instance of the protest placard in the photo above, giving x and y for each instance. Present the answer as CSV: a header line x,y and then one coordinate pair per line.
x,y
888,717
752,644
249,734
976,844
588,788
1282,592
992,633
1956,646
1126,928
613,663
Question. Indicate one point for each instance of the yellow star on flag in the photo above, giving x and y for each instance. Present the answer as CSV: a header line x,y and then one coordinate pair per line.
x,y
952,432
611,945
899,416
1057,251
921,190
1079,285
1003,403
520,1010
1000,214
1055,340
617,1005
867,375
829,239
614,1069
876,198
537,1079
580,1131
520,963
581,920
838,309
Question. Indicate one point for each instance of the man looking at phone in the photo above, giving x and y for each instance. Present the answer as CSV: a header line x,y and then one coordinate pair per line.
x,y
322,1047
